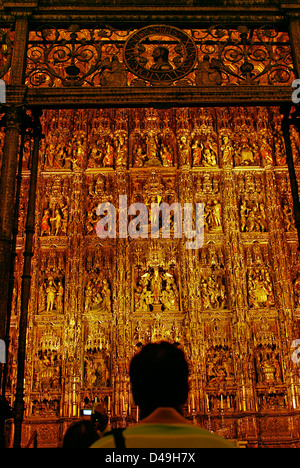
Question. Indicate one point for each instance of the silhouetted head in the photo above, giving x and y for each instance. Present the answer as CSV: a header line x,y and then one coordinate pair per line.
x,y
159,377
100,418
80,435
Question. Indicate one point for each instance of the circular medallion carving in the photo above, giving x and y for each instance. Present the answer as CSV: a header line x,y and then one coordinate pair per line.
x,y
160,53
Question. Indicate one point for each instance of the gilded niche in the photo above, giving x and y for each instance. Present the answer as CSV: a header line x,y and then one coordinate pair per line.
x,y
156,282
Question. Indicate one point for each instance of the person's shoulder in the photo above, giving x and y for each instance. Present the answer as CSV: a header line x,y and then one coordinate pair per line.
x,y
205,437
186,435
104,442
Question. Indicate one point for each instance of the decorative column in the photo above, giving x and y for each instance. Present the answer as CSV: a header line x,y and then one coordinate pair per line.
x,y
13,260
238,295
121,326
26,281
290,324
287,121
19,52
72,334
13,120
295,37
283,288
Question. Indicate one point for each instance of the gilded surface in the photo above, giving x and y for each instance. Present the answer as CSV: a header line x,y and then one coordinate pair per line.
x,y
234,304
158,54
94,302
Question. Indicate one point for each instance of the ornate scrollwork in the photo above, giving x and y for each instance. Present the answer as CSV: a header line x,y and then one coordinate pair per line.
x,y
74,57
158,55
243,56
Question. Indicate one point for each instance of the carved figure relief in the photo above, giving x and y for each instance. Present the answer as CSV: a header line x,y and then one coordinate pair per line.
x,y
47,376
219,367
161,63
97,359
156,290
252,216
97,295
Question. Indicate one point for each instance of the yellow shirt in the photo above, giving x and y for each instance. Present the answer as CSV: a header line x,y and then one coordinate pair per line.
x,y
165,428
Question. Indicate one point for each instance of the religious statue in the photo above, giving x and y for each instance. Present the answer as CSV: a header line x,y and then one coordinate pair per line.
x,y
260,289
246,154
74,155
296,285
97,296
152,150
212,216
213,292
266,152
184,150
113,73
166,154
197,153
51,290
96,367
253,217
92,220
288,216
268,366
108,159
227,150
59,297
169,298
51,293
99,186
209,154
280,155
65,218
156,290
208,72
161,59
45,225
156,285
121,151
88,296
58,222
48,367
50,155
145,299
106,296
78,152
95,156
268,371
138,156
219,367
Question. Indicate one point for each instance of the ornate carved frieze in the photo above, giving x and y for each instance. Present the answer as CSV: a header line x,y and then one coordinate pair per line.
x,y
158,55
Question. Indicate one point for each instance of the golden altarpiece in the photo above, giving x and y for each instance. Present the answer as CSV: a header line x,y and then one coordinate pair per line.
x,y
161,105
